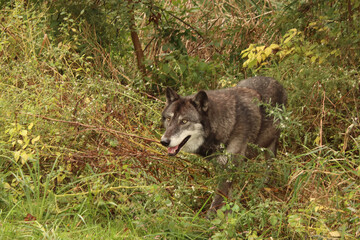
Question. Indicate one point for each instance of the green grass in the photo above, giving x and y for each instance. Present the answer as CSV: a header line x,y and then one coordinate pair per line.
x,y
80,158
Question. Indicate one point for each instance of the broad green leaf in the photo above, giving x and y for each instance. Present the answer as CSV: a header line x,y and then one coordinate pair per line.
x,y
216,221
220,214
273,220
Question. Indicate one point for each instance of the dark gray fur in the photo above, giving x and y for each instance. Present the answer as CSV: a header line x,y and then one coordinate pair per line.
x,y
269,89
229,116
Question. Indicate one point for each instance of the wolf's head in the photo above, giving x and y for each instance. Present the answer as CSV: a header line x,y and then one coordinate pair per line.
x,y
183,119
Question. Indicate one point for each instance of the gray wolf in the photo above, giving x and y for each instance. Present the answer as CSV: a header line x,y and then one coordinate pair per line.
x,y
232,117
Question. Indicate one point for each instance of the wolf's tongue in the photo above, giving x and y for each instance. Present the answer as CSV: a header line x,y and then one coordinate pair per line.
x,y
172,150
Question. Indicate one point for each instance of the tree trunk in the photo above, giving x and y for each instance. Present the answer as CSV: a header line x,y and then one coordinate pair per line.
x,y
135,40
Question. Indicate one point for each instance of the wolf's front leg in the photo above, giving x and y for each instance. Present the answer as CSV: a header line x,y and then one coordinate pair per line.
x,y
229,163
223,192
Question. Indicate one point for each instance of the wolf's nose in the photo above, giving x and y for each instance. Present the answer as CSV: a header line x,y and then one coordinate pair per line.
x,y
165,142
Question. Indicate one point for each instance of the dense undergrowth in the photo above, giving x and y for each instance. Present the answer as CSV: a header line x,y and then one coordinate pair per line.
x,y
79,124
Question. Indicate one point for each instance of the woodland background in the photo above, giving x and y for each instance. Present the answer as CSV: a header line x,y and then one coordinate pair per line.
x,y
81,93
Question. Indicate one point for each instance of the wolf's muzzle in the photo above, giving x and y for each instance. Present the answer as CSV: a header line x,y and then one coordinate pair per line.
x,y
165,142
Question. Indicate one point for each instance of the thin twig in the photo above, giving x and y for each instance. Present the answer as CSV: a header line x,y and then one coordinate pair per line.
x,y
321,121
187,24
93,127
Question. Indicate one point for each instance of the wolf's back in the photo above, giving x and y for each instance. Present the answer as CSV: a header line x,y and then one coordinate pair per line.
x,y
271,91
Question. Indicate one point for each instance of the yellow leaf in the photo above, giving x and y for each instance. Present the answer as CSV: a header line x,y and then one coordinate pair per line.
x,y
23,133
260,48
268,51
16,155
244,54
263,56
335,234
308,53
7,186
251,55
34,140
251,46
318,208
245,64
288,39
24,157
264,63
324,41
69,167
26,142
245,51
60,178
274,46
258,58
317,140
313,59
30,126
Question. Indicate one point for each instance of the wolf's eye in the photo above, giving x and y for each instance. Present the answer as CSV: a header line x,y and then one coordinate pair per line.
x,y
184,121
167,118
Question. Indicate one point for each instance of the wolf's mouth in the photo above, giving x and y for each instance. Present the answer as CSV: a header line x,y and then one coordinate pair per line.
x,y
172,151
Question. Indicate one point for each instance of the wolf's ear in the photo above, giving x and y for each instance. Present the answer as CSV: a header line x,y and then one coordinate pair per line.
x,y
171,96
201,101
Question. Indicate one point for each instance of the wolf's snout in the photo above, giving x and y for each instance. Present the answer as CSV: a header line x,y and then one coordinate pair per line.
x,y
165,142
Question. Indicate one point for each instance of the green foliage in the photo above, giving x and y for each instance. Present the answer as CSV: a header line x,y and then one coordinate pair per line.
x,y
21,141
177,70
292,44
79,128
331,24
